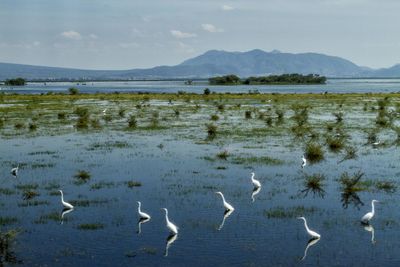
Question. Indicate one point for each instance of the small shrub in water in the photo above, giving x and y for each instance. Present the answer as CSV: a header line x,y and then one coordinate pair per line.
x,y
211,130
82,175
132,122
223,154
314,152
214,117
247,114
73,91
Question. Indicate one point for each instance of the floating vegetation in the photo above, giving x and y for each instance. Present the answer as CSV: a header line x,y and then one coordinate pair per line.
x,y
87,203
265,160
90,226
26,187
53,216
132,184
387,186
314,152
6,191
7,220
223,154
33,203
6,253
82,175
101,185
292,212
42,165
108,145
29,194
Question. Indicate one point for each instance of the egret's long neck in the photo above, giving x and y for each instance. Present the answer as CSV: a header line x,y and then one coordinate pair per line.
x,y
62,196
138,207
373,208
223,199
166,216
306,226
252,177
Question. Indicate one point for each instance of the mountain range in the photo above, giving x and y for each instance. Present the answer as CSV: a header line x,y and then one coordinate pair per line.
x,y
212,63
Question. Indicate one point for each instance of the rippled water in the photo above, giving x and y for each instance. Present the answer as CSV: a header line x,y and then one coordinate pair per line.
x,y
177,176
332,86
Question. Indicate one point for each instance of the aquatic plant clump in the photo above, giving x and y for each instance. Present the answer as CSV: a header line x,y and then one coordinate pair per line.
x,y
314,152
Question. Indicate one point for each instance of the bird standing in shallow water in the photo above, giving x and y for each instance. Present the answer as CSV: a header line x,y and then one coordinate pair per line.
x,y
312,233
172,227
227,206
255,182
142,214
367,217
66,204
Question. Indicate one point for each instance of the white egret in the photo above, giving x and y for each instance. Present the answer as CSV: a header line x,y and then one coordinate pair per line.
x,y
171,239
304,162
227,213
310,232
104,111
226,204
141,220
255,192
142,214
66,204
367,217
310,243
255,182
172,227
14,171
370,228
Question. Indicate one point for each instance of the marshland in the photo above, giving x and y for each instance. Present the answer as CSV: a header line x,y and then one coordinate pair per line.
x,y
107,151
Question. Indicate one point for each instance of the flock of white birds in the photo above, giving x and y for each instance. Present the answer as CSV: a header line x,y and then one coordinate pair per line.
x,y
145,217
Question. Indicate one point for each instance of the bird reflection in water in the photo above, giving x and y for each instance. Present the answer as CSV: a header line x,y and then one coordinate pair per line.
x,y
141,220
256,190
310,243
370,228
227,213
171,239
63,213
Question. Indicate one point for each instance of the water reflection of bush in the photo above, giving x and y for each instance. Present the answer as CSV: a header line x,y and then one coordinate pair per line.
x,y
351,198
7,255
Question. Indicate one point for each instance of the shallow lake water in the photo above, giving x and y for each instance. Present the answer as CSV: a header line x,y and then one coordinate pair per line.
x,y
332,86
177,175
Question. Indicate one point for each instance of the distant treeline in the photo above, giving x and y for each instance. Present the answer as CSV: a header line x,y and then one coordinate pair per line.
x,y
272,79
15,82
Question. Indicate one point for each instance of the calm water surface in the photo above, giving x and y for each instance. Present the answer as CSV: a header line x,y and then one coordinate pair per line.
x,y
177,176
332,86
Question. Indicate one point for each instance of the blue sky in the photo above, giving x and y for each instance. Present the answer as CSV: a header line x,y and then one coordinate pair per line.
x,y
124,34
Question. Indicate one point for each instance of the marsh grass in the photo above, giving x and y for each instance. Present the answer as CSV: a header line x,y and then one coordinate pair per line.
x,y
7,191
264,160
223,155
87,202
101,185
32,126
82,176
90,226
352,183
53,216
132,184
387,186
211,130
214,117
292,212
25,187
30,194
7,220
7,256
33,203
300,115
247,114
314,152
132,122
335,144
314,183
339,116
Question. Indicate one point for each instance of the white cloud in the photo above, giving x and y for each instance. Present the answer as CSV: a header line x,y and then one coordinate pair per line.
x,y
227,8
211,28
182,35
73,35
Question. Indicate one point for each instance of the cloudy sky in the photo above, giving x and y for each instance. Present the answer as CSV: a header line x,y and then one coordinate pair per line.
x,y
123,34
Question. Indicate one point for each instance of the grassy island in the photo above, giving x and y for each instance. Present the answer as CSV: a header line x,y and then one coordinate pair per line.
x,y
293,78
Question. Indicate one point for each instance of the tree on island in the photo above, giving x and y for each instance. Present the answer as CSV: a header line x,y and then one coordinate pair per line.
x,y
15,82
293,78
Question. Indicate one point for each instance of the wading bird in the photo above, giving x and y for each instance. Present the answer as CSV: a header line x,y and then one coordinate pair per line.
x,y
367,217
141,220
104,111
66,204
172,227
255,182
14,171
304,162
226,204
142,214
310,232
